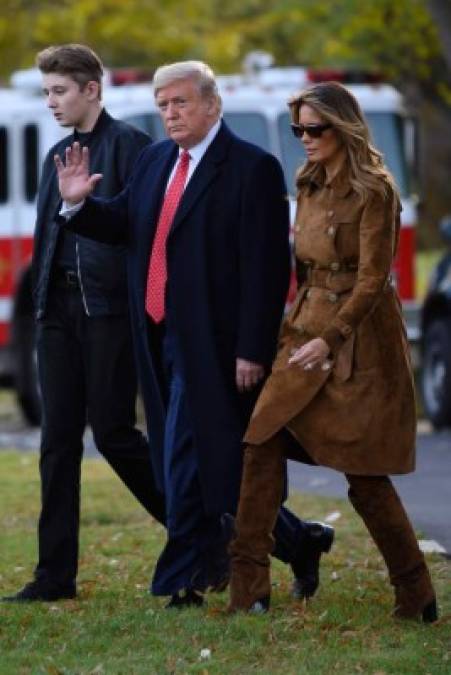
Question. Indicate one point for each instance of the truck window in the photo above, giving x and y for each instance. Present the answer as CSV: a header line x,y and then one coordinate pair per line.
x,y
150,123
3,165
31,161
388,137
250,126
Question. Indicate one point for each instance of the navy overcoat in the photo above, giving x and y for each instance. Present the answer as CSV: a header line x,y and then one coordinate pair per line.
x,y
228,272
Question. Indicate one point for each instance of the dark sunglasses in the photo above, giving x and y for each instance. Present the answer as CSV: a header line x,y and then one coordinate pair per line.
x,y
313,130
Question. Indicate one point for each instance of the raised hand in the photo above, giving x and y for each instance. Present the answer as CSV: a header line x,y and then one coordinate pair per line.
x,y
75,183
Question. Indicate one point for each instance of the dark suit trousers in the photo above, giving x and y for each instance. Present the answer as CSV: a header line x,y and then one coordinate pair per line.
x,y
86,373
195,555
195,552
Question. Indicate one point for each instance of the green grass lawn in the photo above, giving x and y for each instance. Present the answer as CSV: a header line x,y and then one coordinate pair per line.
x,y
115,626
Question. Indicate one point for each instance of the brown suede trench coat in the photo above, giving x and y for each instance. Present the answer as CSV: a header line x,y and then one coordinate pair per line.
x,y
358,416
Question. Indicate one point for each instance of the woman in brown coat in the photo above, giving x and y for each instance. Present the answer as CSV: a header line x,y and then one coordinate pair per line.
x,y
341,392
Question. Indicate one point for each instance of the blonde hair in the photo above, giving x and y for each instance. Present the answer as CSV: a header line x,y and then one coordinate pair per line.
x,y
198,71
338,107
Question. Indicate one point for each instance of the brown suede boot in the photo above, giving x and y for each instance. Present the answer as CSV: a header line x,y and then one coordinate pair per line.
x,y
377,502
260,498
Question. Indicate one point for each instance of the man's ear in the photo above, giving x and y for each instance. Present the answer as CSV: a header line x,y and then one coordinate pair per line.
x,y
92,89
212,105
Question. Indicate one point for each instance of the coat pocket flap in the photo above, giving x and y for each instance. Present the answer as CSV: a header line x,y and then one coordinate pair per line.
x,y
345,360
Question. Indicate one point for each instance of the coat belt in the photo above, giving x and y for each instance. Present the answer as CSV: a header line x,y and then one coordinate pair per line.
x,y
339,281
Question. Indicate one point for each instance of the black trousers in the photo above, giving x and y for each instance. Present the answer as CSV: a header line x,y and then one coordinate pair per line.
x,y
87,374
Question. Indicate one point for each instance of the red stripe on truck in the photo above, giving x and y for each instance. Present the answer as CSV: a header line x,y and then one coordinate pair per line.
x,y
4,334
404,264
15,255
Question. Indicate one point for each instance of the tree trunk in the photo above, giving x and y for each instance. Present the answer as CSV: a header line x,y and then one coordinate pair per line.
x,y
441,13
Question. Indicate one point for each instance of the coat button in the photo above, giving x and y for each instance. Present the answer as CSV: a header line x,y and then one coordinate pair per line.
x,y
297,228
335,266
300,329
332,297
330,214
308,293
331,231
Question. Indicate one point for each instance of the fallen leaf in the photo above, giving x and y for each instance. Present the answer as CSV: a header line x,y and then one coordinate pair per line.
x,y
97,670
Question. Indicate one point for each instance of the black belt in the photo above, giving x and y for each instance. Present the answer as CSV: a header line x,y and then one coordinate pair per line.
x,y
64,278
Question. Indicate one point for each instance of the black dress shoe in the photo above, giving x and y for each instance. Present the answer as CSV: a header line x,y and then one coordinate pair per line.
x,y
190,598
43,591
306,562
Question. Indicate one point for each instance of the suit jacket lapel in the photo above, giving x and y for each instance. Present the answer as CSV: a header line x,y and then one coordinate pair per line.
x,y
155,179
204,174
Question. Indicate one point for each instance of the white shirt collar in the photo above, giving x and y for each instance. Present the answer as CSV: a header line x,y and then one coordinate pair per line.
x,y
198,151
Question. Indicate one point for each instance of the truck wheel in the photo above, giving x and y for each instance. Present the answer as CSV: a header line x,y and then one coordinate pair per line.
x,y
27,387
436,373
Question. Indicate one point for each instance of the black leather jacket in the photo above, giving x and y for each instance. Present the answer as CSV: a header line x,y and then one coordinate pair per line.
x,y
101,268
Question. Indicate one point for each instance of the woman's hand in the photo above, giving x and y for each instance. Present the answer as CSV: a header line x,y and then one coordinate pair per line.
x,y
312,354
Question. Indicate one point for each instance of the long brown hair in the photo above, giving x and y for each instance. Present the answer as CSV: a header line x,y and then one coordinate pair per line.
x,y
338,107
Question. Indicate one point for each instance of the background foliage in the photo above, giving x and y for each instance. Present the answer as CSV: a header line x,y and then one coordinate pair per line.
x,y
399,38
408,41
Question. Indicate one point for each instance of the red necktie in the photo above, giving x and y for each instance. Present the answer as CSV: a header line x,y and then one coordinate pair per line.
x,y
157,274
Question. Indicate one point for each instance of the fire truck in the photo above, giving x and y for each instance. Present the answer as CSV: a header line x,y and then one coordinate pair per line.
x,y
254,107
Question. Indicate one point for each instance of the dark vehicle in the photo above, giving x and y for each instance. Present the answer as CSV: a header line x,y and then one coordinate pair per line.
x,y
436,340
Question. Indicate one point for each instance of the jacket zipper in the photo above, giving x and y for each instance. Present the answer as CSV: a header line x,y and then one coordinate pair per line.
x,y
80,280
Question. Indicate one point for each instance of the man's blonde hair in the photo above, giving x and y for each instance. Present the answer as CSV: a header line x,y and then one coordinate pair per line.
x,y
199,72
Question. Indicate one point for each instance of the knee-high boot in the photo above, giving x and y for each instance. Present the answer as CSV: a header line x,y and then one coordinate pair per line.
x,y
261,494
377,502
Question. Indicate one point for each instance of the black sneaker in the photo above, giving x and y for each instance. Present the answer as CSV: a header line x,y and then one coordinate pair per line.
x,y
306,562
42,591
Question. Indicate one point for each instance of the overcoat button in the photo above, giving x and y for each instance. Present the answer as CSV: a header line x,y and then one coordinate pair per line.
x,y
297,228
330,214
335,266
333,297
300,329
331,231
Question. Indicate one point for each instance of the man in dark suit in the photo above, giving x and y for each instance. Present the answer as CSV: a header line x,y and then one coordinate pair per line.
x,y
84,344
205,219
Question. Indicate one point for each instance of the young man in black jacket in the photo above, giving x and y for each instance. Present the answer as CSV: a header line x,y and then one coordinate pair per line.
x,y
85,352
